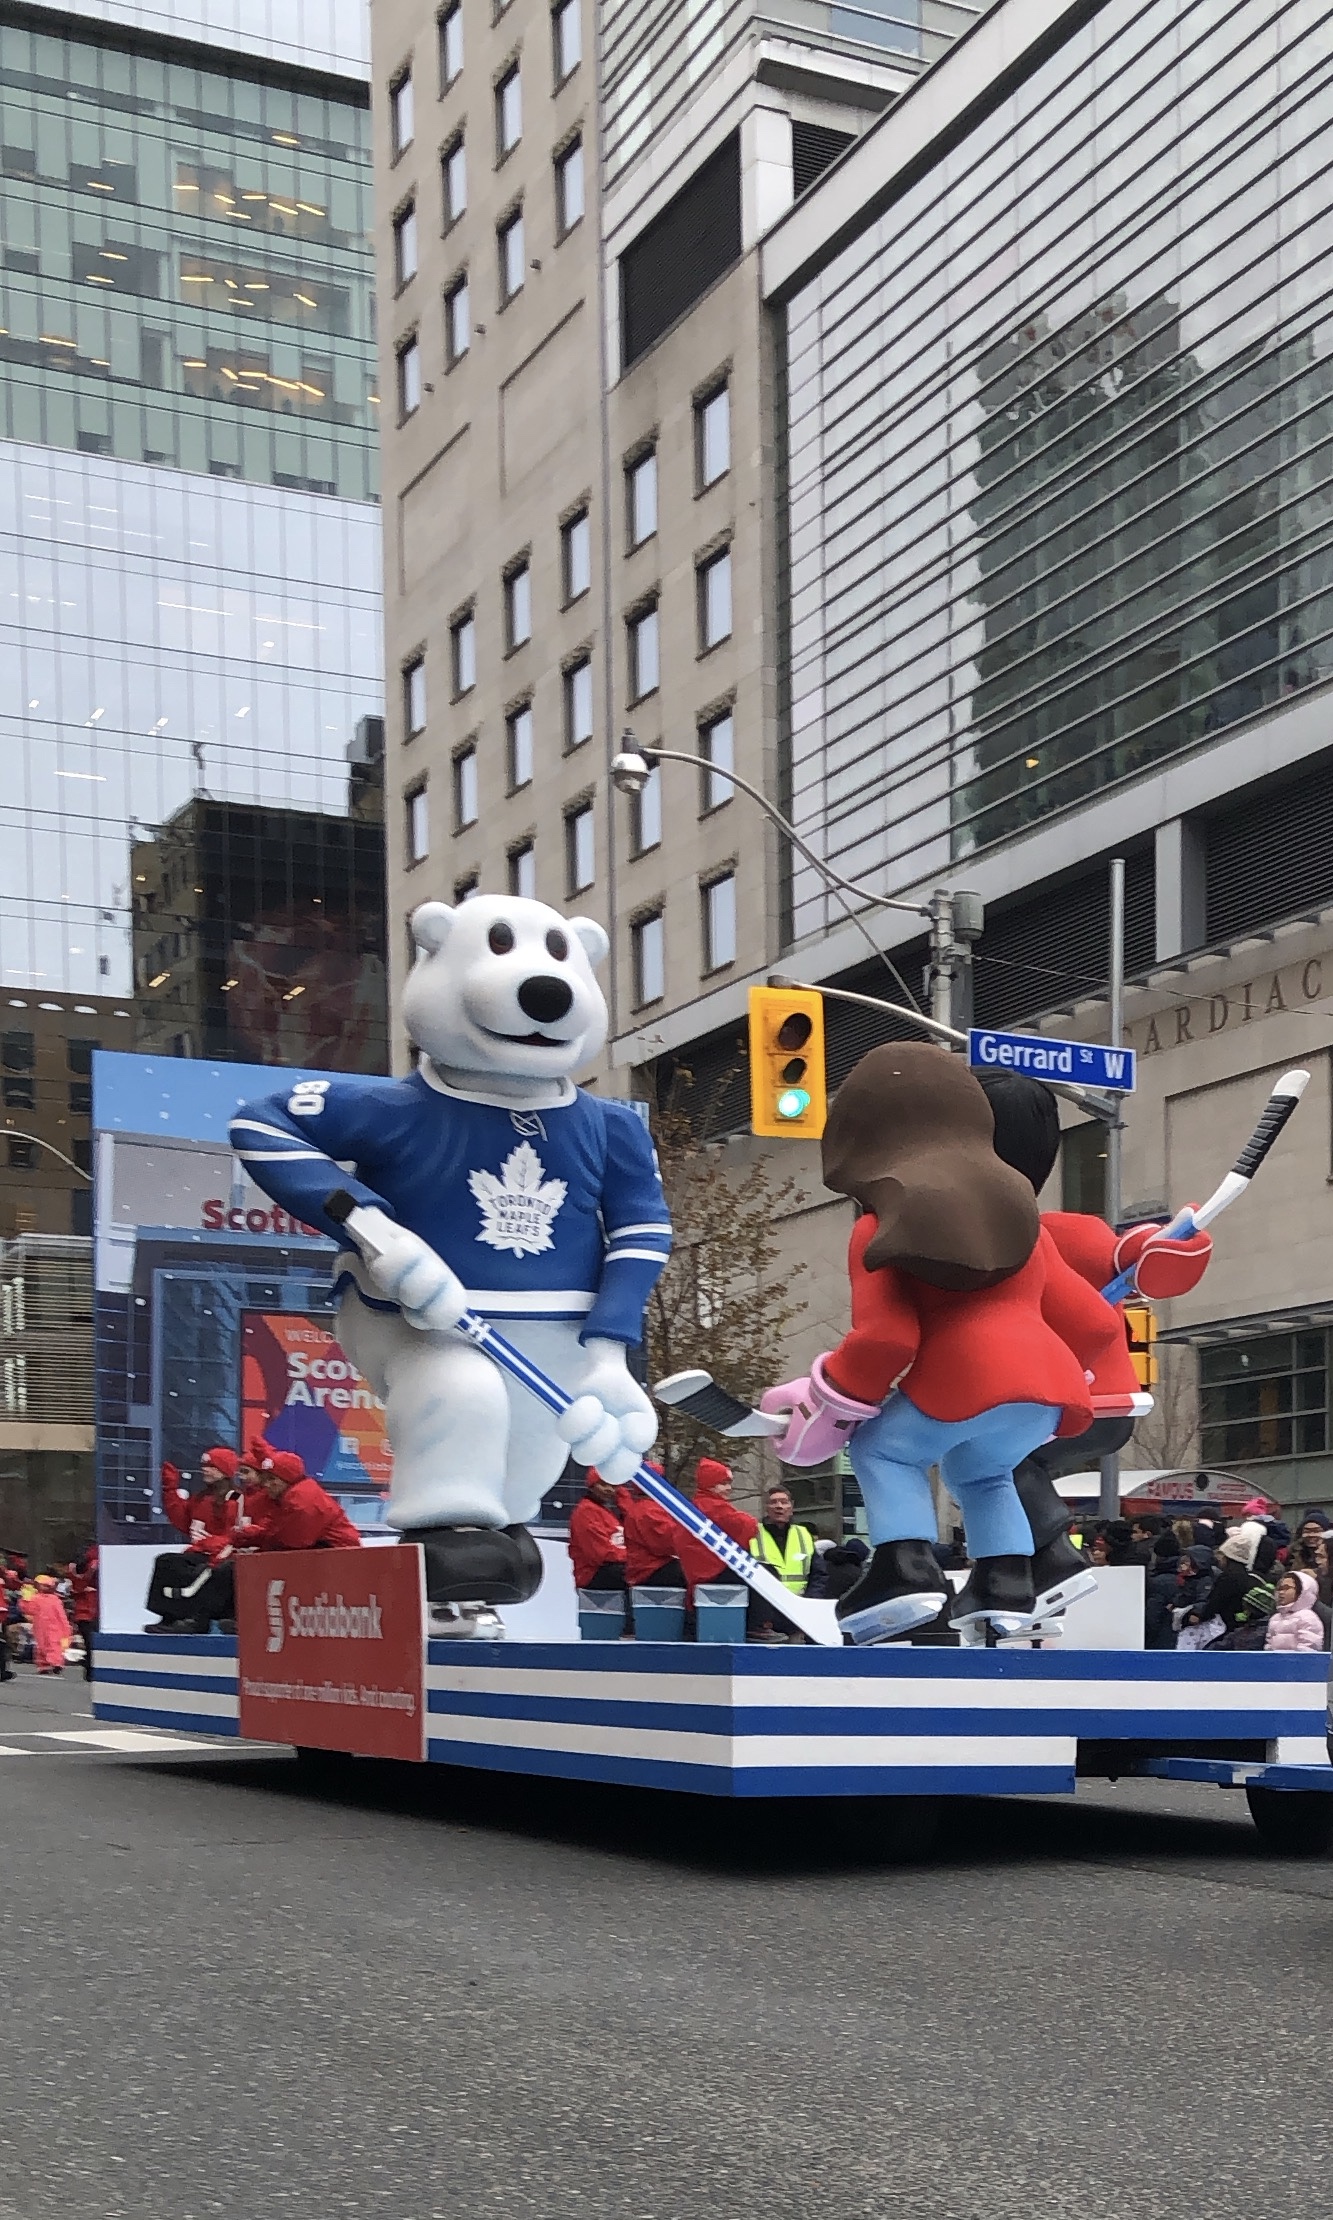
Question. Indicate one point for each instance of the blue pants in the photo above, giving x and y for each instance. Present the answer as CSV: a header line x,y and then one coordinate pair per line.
x,y
891,1455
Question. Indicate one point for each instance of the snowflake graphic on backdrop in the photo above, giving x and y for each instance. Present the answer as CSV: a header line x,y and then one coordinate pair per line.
x,y
518,1209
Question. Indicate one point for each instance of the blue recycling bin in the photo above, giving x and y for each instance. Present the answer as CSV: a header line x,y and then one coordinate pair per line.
x,y
601,1614
720,1610
659,1614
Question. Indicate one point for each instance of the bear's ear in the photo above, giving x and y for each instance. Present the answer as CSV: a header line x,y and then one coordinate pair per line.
x,y
591,938
431,926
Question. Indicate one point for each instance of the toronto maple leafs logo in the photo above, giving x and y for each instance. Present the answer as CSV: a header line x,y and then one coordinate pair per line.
x,y
518,1209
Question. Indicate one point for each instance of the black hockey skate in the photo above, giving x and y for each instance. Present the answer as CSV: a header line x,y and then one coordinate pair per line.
x,y
901,1587
998,1589
1060,1575
471,1569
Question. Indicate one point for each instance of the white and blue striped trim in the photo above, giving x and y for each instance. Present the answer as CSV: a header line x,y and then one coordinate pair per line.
x,y
639,1256
623,1233
281,1156
167,1680
255,1125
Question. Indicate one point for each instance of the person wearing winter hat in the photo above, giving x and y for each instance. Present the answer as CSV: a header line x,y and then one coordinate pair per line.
x,y
597,1535
206,1520
713,1484
301,1514
214,1507
1161,1592
49,1620
1295,1624
1242,1596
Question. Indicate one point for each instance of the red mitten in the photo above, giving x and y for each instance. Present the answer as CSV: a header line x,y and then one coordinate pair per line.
x,y
1163,1267
213,1546
171,1478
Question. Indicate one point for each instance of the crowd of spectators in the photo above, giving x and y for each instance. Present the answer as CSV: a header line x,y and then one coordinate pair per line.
x,y
47,1619
1217,1583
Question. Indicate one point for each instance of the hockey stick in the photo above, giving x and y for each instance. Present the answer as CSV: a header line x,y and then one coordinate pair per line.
x,y
1278,1108
697,1395
807,1616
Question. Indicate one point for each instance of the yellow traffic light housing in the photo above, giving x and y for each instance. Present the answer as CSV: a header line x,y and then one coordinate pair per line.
x,y
788,1091
1141,1330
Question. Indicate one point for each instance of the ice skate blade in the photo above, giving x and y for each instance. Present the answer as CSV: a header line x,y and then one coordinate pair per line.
x,y
1064,1592
470,1622
1004,1622
879,1622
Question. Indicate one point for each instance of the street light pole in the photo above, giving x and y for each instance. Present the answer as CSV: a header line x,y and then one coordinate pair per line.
x,y
1109,1492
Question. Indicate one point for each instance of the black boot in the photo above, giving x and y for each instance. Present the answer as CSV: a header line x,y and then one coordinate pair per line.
x,y
998,1588
479,1564
1060,1574
901,1587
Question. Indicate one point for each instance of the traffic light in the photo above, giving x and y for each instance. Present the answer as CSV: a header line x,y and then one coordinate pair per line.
x,y
787,1086
1141,1330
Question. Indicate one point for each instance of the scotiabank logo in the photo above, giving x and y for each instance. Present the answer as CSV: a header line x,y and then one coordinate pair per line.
x,y
220,1217
322,1621
273,1603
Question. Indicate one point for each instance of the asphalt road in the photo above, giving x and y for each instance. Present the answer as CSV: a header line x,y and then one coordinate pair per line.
x,y
445,1995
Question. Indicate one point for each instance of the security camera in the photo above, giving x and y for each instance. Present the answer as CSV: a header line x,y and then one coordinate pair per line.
x,y
631,771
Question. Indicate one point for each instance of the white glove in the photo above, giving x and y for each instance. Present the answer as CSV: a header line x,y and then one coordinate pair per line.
x,y
611,1423
407,1271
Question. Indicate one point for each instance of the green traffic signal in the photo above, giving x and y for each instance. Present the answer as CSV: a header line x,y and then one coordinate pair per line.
x,y
793,1102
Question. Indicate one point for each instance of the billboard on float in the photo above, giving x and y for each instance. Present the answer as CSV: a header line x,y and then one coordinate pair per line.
x,y
213,1319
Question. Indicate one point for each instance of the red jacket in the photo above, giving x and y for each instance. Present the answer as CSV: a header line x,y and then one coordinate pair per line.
x,y
83,1593
652,1537
698,1563
596,1538
198,1515
1032,1339
303,1517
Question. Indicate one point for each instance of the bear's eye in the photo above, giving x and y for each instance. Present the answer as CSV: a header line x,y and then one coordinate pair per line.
x,y
501,938
557,945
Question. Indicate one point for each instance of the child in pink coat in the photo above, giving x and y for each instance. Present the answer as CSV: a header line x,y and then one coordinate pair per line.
x,y
1295,1624
46,1615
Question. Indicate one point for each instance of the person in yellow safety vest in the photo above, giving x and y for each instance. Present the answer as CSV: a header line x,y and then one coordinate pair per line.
x,y
786,1548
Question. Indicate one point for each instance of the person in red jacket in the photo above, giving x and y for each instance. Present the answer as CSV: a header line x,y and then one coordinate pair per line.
x,y
299,1514
713,1484
84,1603
597,1536
212,1509
652,1540
972,1341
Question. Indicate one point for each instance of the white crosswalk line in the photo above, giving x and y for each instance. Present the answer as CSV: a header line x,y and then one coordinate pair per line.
x,y
5,1751
123,1740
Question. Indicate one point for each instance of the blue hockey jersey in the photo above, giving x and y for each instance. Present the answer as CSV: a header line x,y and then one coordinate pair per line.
x,y
551,1213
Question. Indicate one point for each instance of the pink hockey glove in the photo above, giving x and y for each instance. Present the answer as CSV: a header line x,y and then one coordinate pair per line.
x,y
1162,1267
823,1420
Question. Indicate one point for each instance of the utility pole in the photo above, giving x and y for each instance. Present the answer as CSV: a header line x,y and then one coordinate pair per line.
x,y
956,921
1109,1504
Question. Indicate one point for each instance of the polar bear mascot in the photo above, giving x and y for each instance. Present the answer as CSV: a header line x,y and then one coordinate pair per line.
x,y
505,1189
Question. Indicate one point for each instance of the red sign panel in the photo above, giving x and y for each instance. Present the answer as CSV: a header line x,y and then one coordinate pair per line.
x,y
332,1650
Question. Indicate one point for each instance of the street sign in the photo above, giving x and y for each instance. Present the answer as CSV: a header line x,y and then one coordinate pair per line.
x,y
1040,1057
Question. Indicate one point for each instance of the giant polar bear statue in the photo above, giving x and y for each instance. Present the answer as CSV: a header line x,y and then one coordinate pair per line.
x,y
511,1191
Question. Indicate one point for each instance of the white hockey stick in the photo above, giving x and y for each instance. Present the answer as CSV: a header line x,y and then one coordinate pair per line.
x,y
697,1395
812,1619
1278,1108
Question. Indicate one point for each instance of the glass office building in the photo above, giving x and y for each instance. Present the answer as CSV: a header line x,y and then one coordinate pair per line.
x,y
1060,443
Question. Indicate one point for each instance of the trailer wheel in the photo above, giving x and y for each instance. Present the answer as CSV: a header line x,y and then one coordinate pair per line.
x,y
1294,1823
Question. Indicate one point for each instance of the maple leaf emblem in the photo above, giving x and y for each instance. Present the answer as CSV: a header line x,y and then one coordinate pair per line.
x,y
517,1210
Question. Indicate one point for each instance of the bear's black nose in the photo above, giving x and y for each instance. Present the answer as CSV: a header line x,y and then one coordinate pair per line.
x,y
544,998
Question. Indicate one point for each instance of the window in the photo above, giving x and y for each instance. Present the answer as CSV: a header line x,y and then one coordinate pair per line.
x,y
409,378
20,1094
518,606
418,826
457,321
18,1051
578,703
648,944
567,39
569,188
81,1097
512,264
22,1155
465,788
719,899
523,871
518,736
644,672
580,849
508,113
405,245
465,888
453,173
401,118
576,555
646,813
414,697
712,421
451,45
684,250
463,652
718,747
1083,1168
715,600
641,490
1264,1398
